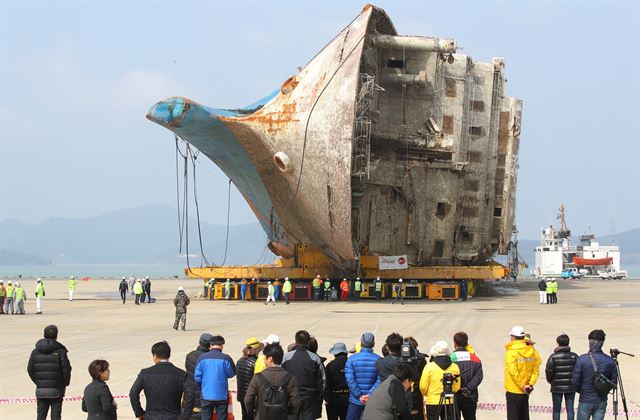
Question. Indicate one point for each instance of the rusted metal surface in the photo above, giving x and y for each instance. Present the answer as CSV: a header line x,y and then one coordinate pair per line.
x,y
381,144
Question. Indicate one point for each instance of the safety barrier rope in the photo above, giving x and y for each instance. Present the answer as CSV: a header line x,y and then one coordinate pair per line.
x,y
546,409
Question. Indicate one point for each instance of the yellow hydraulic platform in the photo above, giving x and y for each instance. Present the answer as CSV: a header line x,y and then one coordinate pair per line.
x,y
309,262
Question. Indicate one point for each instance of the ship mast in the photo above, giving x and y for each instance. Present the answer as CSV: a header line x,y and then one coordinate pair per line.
x,y
564,231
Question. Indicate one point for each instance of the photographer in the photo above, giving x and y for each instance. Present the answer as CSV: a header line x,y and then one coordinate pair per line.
x,y
418,361
471,368
593,404
438,375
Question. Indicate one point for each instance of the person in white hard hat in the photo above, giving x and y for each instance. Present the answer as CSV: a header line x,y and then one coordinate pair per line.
x,y
39,296
271,294
181,301
71,285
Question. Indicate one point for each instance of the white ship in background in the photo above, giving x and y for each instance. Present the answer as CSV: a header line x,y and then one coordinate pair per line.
x,y
555,255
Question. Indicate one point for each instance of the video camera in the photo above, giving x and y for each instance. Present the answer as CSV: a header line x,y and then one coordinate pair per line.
x,y
405,352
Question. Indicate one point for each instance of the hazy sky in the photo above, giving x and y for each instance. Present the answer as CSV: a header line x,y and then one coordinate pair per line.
x,y
77,78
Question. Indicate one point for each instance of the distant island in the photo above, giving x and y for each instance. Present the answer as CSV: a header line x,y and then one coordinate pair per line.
x,y
149,235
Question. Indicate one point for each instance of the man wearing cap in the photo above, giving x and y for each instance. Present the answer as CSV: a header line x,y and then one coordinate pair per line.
x,y
245,367
190,367
308,370
260,365
431,384
398,289
181,301
362,376
592,405
336,393
213,371
10,296
521,365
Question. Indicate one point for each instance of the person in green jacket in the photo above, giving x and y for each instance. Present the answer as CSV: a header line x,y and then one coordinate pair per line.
x,y
378,288
40,294
20,297
286,289
137,290
549,292
9,298
227,289
271,294
327,290
71,285
554,291
357,289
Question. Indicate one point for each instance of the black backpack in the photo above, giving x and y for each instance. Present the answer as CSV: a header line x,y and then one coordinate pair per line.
x,y
275,399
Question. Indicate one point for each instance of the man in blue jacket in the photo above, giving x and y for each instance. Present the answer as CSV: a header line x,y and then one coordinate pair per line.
x,y
213,370
362,376
591,404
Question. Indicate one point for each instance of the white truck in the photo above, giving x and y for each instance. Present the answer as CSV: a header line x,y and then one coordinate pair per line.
x,y
612,274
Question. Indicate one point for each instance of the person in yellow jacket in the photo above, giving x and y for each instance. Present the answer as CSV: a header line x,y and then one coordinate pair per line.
x,y
71,285
431,380
521,363
286,289
137,289
9,298
260,364
20,297
40,294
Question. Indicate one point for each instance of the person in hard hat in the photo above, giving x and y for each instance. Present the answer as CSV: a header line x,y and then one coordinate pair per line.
x,y
344,290
227,289
327,289
181,301
252,289
398,289
147,288
9,299
276,287
316,283
271,294
40,294
137,290
549,292
554,291
3,294
132,282
20,296
286,289
243,289
378,288
123,288
71,285
357,289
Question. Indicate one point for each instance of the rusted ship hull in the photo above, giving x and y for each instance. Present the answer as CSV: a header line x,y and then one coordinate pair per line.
x,y
381,144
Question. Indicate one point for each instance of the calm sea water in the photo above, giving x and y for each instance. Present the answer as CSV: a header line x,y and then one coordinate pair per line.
x,y
138,270
92,270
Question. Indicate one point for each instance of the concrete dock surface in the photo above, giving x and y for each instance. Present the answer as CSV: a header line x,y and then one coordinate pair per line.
x,y
97,325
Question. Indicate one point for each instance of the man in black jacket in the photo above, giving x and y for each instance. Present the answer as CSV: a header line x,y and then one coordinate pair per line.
x,y
336,393
542,291
123,288
471,375
387,364
165,386
245,367
308,370
190,366
559,373
49,368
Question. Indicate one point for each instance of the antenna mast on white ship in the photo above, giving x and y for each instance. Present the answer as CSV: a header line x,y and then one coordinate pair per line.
x,y
564,231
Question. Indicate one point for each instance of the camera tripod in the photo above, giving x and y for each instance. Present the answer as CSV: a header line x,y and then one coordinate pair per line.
x,y
619,390
447,406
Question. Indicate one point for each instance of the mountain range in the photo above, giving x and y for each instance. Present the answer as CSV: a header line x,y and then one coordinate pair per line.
x,y
141,235
149,235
